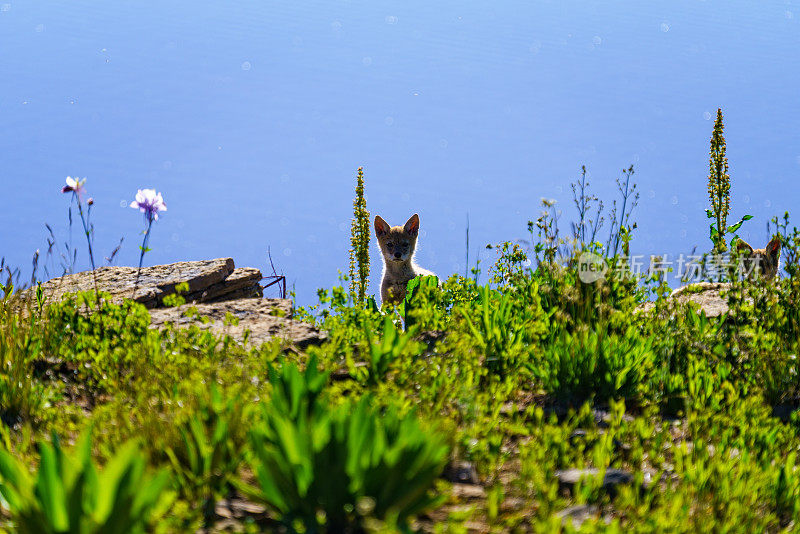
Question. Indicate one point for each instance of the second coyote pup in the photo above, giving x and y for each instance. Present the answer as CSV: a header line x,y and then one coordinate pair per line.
x,y
766,260
397,244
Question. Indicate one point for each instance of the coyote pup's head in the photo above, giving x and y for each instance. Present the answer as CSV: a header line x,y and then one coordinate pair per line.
x,y
763,260
397,242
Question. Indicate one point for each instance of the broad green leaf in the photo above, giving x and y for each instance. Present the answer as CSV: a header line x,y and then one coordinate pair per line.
x,y
50,490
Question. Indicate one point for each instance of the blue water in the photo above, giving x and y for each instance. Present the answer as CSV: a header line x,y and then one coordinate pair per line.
x,y
252,117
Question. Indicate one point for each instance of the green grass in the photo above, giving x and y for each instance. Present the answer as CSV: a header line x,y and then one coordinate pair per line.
x,y
536,373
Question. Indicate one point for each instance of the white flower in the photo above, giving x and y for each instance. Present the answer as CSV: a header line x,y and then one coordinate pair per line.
x,y
150,203
74,185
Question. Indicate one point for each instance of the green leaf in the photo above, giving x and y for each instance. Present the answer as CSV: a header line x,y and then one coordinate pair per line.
x,y
16,485
332,459
49,489
735,227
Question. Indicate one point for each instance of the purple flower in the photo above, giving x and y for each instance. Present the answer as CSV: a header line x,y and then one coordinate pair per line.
x,y
75,185
150,203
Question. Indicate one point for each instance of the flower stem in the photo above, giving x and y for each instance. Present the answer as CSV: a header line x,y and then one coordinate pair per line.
x,y
141,256
89,243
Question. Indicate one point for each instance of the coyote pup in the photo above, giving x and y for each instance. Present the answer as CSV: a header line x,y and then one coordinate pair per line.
x,y
765,259
397,244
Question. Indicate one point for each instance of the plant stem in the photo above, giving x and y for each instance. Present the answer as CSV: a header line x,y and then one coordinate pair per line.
x,y
466,250
141,256
89,243
720,231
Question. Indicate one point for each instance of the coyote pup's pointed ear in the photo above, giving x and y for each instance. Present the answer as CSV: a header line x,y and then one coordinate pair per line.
x,y
412,225
743,247
774,247
381,226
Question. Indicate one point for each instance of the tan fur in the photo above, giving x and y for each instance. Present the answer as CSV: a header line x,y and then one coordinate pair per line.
x,y
397,244
765,260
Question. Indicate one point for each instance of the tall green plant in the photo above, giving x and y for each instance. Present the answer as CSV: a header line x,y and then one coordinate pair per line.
x,y
359,243
210,450
584,232
496,333
593,363
21,396
335,468
410,303
383,351
719,184
71,495
621,229
719,191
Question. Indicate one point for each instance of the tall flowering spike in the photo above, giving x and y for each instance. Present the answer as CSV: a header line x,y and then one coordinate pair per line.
x,y
719,183
75,185
150,203
359,242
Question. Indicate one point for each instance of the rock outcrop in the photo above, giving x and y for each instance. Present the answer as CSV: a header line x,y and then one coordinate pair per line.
x,y
208,281
708,296
216,288
264,319
612,477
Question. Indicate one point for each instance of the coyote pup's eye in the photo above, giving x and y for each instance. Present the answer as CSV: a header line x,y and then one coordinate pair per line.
x,y
390,244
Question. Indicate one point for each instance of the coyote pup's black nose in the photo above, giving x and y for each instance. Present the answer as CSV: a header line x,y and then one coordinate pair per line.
x,y
397,255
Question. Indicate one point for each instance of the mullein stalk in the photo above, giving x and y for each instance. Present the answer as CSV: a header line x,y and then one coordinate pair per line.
x,y
719,183
359,244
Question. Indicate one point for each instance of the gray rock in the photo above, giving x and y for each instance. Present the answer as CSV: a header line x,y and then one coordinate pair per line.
x,y
578,514
568,478
237,508
208,280
709,296
265,319
467,492
216,289
461,472
241,283
784,410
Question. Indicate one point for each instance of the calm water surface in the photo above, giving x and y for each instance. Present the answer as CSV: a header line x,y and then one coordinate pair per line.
x,y
251,118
